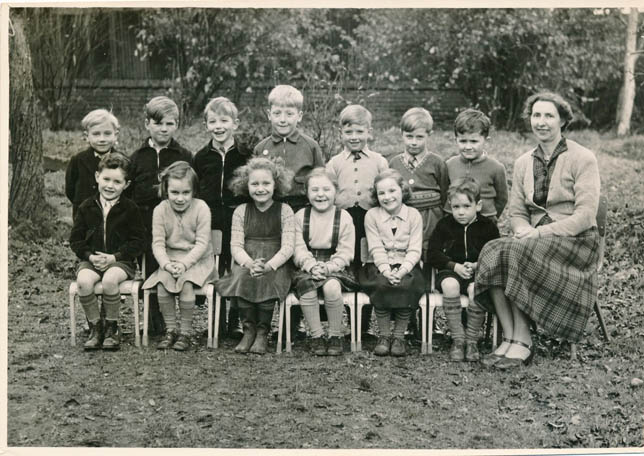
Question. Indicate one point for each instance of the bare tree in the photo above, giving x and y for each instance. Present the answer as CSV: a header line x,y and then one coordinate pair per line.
x,y
627,92
26,193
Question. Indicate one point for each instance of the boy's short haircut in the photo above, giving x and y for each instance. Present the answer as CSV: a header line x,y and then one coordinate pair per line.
x,y
472,121
286,96
222,106
178,170
98,116
115,160
320,171
355,114
416,118
160,107
467,186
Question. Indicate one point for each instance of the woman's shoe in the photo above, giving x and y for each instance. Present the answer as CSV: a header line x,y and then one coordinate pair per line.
x,y
512,363
491,359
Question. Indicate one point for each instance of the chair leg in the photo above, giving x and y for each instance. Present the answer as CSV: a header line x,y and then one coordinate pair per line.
x,y
573,351
146,310
358,326
209,341
430,328
352,322
135,311
287,313
602,324
423,317
72,312
280,328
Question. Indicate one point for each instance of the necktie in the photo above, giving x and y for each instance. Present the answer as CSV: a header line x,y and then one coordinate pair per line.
x,y
413,163
356,155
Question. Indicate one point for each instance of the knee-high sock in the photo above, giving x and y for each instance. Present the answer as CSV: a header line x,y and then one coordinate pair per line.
x,y
311,310
334,315
475,320
187,309
90,306
166,305
401,322
452,309
384,322
112,304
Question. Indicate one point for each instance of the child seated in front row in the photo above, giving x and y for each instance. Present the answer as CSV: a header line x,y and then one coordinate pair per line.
x,y
324,243
454,251
181,245
393,280
108,234
262,240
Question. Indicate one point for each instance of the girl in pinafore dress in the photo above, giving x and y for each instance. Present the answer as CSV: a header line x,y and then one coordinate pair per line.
x,y
181,245
392,277
262,239
324,245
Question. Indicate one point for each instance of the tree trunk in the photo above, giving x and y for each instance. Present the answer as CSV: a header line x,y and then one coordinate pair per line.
x,y
627,92
26,193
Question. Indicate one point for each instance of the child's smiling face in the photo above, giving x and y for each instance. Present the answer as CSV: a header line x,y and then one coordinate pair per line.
x,y
284,119
471,145
221,127
111,183
389,195
180,193
102,136
355,136
261,186
162,131
321,193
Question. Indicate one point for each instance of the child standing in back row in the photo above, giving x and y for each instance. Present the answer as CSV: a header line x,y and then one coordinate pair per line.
x,y
101,131
454,251
262,240
182,248
472,129
393,279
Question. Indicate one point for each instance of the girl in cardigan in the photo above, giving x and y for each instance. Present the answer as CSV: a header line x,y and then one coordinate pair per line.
x,y
262,240
393,279
324,244
181,245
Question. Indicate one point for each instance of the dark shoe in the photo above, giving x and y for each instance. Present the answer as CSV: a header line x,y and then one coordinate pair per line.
x,y
335,346
182,343
383,347
512,363
491,359
112,339
457,352
398,347
260,345
472,352
167,341
317,346
95,340
247,339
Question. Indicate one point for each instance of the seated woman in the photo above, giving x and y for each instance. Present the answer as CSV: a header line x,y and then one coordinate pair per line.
x,y
546,272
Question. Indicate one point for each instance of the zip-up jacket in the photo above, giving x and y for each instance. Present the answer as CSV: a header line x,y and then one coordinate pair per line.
x,y
452,243
122,234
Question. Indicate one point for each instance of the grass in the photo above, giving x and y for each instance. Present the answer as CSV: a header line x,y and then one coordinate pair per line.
x,y
60,396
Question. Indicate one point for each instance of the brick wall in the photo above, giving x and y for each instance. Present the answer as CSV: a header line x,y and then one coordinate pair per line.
x,y
127,98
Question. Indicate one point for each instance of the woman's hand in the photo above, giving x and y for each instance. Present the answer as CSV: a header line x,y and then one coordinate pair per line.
x,y
526,233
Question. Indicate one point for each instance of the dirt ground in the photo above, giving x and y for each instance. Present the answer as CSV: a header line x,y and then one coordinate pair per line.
x,y
59,395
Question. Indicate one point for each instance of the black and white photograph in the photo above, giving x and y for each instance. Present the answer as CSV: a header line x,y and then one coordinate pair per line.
x,y
322,228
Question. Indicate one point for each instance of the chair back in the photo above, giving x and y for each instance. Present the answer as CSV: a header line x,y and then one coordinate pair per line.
x,y
216,237
602,210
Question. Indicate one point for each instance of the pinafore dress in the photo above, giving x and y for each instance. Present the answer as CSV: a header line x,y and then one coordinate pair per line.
x,y
302,280
262,239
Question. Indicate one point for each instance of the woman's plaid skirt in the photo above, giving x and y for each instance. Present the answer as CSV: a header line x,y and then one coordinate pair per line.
x,y
552,279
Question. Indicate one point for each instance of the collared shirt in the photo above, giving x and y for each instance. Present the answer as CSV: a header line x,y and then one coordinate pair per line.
x,y
402,247
355,177
413,161
107,205
543,169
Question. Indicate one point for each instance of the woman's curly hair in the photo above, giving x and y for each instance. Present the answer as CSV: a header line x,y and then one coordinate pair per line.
x,y
282,176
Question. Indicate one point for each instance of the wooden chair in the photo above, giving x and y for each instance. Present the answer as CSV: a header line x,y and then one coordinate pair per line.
x,y
126,288
285,314
207,290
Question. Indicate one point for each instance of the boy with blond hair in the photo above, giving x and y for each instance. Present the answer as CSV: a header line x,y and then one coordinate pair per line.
x,y
215,165
101,131
158,151
355,169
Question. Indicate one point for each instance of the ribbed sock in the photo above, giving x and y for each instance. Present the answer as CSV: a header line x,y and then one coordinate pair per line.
x,y
383,316
90,306
187,311
311,310
112,304
452,309
167,307
401,322
334,315
475,320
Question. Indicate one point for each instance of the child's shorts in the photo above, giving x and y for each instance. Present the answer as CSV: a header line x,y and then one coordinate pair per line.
x,y
128,266
446,273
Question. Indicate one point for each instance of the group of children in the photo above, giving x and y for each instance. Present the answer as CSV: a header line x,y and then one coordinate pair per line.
x,y
290,222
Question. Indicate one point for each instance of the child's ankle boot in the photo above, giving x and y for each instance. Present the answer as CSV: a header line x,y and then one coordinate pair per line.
x,y
472,351
95,336
112,339
260,345
250,331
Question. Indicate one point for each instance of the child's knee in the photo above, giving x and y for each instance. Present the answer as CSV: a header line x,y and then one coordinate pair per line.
x,y
86,281
161,291
187,292
451,288
112,279
332,290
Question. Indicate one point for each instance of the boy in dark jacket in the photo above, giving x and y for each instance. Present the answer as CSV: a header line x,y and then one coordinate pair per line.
x,y
454,249
107,236
101,130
